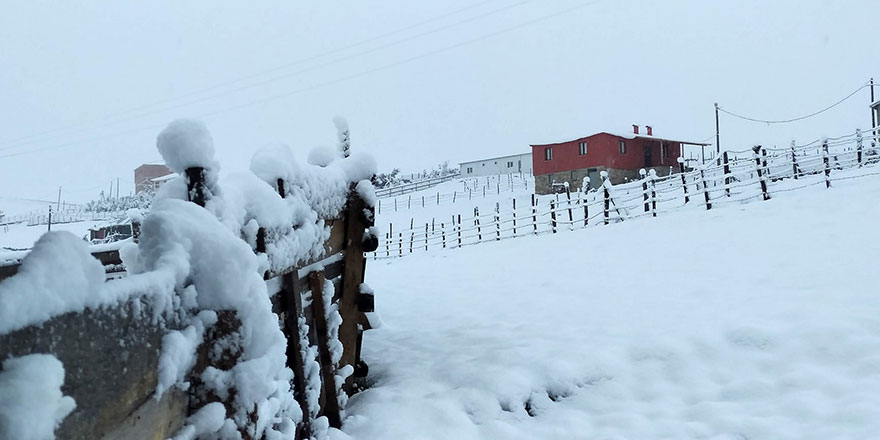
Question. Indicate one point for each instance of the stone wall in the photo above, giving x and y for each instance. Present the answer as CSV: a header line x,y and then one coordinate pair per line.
x,y
544,182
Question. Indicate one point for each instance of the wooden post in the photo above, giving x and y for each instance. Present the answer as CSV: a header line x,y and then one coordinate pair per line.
x,y
395,204
794,165
195,185
330,408
534,215
684,185
400,246
443,233
409,201
426,237
514,216
705,189
553,215
607,195
454,193
388,244
412,237
759,169
570,215
652,176
859,147
644,176
291,306
477,222
497,222
726,175
827,164
586,209
459,230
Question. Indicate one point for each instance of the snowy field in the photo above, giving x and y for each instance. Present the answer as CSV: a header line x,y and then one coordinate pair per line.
x,y
757,321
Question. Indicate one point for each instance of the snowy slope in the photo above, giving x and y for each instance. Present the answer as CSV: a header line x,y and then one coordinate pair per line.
x,y
755,321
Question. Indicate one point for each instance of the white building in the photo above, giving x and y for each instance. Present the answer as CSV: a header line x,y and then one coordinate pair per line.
x,y
516,163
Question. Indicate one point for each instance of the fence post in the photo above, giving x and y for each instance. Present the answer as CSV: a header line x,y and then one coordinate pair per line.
x,y
827,163
412,237
553,215
705,189
534,215
443,233
497,222
409,201
514,216
426,237
395,204
759,170
726,174
477,222
607,195
570,215
379,206
644,175
459,230
423,201
794,165
195,185
684,185
652,176
388,244
454,193
859,146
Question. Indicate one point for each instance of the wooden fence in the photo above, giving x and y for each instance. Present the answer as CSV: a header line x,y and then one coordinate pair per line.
x,y
112,373
472,188
734,177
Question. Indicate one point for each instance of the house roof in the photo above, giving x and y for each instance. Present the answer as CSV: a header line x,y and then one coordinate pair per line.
x,y
163,178
496,158
624,136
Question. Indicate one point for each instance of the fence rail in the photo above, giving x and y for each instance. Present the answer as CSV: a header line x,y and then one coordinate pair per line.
x,y
735,177
472,188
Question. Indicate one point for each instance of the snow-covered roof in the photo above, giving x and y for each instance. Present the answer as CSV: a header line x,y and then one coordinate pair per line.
x,y
495,158
163,178
621,135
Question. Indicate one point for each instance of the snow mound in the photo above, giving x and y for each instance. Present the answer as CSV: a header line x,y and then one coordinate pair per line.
x,y
58,276
186,143
31,402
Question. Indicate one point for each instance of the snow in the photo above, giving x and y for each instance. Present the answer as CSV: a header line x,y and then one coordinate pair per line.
x,y
322,156
186,143
750,321
58,276
179,352
31,402
207,420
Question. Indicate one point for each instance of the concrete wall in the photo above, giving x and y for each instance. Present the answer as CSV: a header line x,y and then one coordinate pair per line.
x,y
517,163
544,182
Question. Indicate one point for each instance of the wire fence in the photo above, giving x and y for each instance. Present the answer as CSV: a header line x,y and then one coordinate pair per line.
x,y
472,188
734,177
36,218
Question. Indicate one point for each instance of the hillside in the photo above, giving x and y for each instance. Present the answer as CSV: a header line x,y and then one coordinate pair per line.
x,y
747,321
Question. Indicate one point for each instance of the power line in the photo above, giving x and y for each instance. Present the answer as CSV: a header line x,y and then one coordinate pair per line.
x,y
322,84
118,118
800,118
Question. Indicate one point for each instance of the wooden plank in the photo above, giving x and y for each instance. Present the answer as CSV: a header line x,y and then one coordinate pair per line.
x,y
352,278
291,302
329,398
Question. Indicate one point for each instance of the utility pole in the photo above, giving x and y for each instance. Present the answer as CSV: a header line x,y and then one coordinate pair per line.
x,y
873,111
58,206
117,188
717,133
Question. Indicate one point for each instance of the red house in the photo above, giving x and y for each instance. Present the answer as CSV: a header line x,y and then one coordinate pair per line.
x,y
146,173
621,155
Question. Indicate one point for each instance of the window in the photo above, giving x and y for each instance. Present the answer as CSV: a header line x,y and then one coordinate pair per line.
x,y
548,153
664,151
509,164
622,146
470,170
583,150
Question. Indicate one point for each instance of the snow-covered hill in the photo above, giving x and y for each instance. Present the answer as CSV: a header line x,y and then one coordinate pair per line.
x,y
755,321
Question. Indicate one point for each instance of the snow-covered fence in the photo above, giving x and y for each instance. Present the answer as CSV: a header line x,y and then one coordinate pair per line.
x,y
416,185
735,177
477,187
240,313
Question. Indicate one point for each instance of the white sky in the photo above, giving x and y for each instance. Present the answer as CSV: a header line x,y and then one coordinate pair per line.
x,y
83,66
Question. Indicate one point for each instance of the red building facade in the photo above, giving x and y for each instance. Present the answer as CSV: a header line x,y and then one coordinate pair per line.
x,y
621,155
145,173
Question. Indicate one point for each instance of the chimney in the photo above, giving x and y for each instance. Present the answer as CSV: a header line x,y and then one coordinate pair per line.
x,y
635,129
650,130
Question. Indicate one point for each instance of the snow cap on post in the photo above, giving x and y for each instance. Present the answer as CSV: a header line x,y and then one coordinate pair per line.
x,y
186,143
344,135
322,156
642,172
680,159
273,162
652,173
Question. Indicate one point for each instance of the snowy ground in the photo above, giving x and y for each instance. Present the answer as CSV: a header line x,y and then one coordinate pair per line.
x,y
759,321
22,236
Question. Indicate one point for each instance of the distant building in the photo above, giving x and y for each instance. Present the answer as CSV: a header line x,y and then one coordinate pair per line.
x,y
876,108
146,176
516,163
621,155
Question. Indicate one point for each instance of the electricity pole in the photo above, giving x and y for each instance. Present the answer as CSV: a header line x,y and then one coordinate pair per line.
x,y
58,206
717,133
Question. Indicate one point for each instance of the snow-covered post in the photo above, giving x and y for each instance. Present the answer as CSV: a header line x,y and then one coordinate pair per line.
x,y
644,175
726,174
534,215
759,170
443,233
585,186
330,405
705,189
188,149
553,215
607,195
497,222
459,229
827,163
859,147
426,237
344,135
794,165
684,185
477,222
652,177
400,245
514,216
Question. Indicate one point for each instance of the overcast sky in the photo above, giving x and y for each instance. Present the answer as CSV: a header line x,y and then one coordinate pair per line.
x,y
86,86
